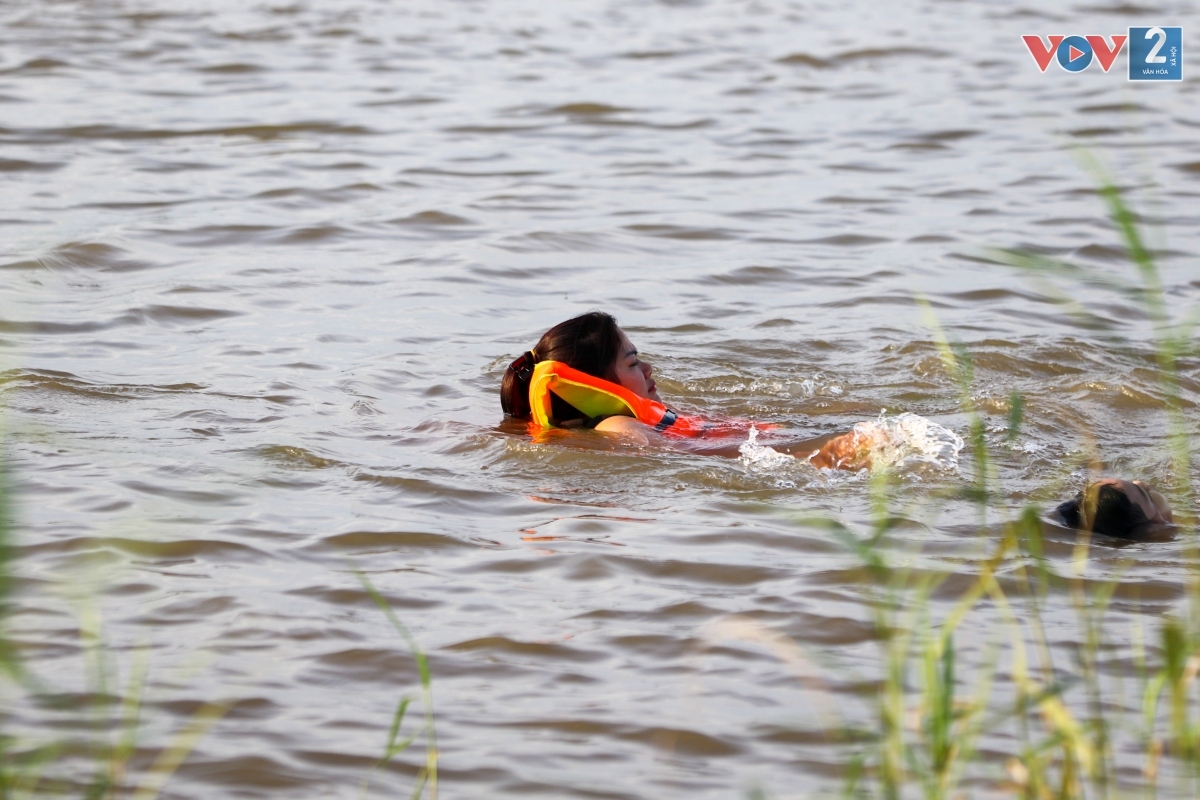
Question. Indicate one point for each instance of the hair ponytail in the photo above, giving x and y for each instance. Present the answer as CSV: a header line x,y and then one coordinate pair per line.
x,y
589,343
514,388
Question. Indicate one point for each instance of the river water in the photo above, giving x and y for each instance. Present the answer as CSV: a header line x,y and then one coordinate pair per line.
x,y
264,263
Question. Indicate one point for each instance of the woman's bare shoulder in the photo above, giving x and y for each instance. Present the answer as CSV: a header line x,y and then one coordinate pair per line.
x,y
624,425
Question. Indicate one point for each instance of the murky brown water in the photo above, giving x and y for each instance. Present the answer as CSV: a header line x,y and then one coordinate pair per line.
x,y
263,265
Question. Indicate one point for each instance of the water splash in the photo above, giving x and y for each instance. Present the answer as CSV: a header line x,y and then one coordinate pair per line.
x,y
907,444
760,458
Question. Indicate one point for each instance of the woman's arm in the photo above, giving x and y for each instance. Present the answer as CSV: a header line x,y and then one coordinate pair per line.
x,y
850,450
732,449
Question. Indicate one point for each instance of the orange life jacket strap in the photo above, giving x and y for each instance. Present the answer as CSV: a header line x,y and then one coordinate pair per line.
x,y
597,398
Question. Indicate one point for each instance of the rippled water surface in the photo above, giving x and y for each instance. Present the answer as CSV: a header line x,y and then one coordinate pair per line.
x,y
263,264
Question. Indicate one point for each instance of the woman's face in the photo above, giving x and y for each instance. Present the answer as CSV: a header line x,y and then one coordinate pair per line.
x,y
633,373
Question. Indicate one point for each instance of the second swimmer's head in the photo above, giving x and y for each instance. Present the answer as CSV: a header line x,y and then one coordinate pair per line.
x,y
1115,507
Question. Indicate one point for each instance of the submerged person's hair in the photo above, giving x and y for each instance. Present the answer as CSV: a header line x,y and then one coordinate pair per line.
x,y
590,343
1107,510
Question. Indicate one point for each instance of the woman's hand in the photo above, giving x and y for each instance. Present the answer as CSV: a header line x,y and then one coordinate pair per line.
x,y
850,451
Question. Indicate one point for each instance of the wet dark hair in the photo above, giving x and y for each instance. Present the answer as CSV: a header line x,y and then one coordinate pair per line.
x,y
590,343
1113,514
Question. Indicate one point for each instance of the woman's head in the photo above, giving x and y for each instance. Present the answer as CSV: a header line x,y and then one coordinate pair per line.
x,y
590,343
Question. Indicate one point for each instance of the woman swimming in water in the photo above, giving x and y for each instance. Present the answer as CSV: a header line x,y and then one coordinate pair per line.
x,y
586,373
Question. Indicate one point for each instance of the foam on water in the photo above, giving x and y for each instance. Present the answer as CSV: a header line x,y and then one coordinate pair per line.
x,y
760,458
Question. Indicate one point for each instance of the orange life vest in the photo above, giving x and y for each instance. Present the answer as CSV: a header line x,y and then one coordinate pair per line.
x,y
595,397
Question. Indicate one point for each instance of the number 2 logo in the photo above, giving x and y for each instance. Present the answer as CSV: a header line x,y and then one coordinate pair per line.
x,y
1156,54
1153,57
